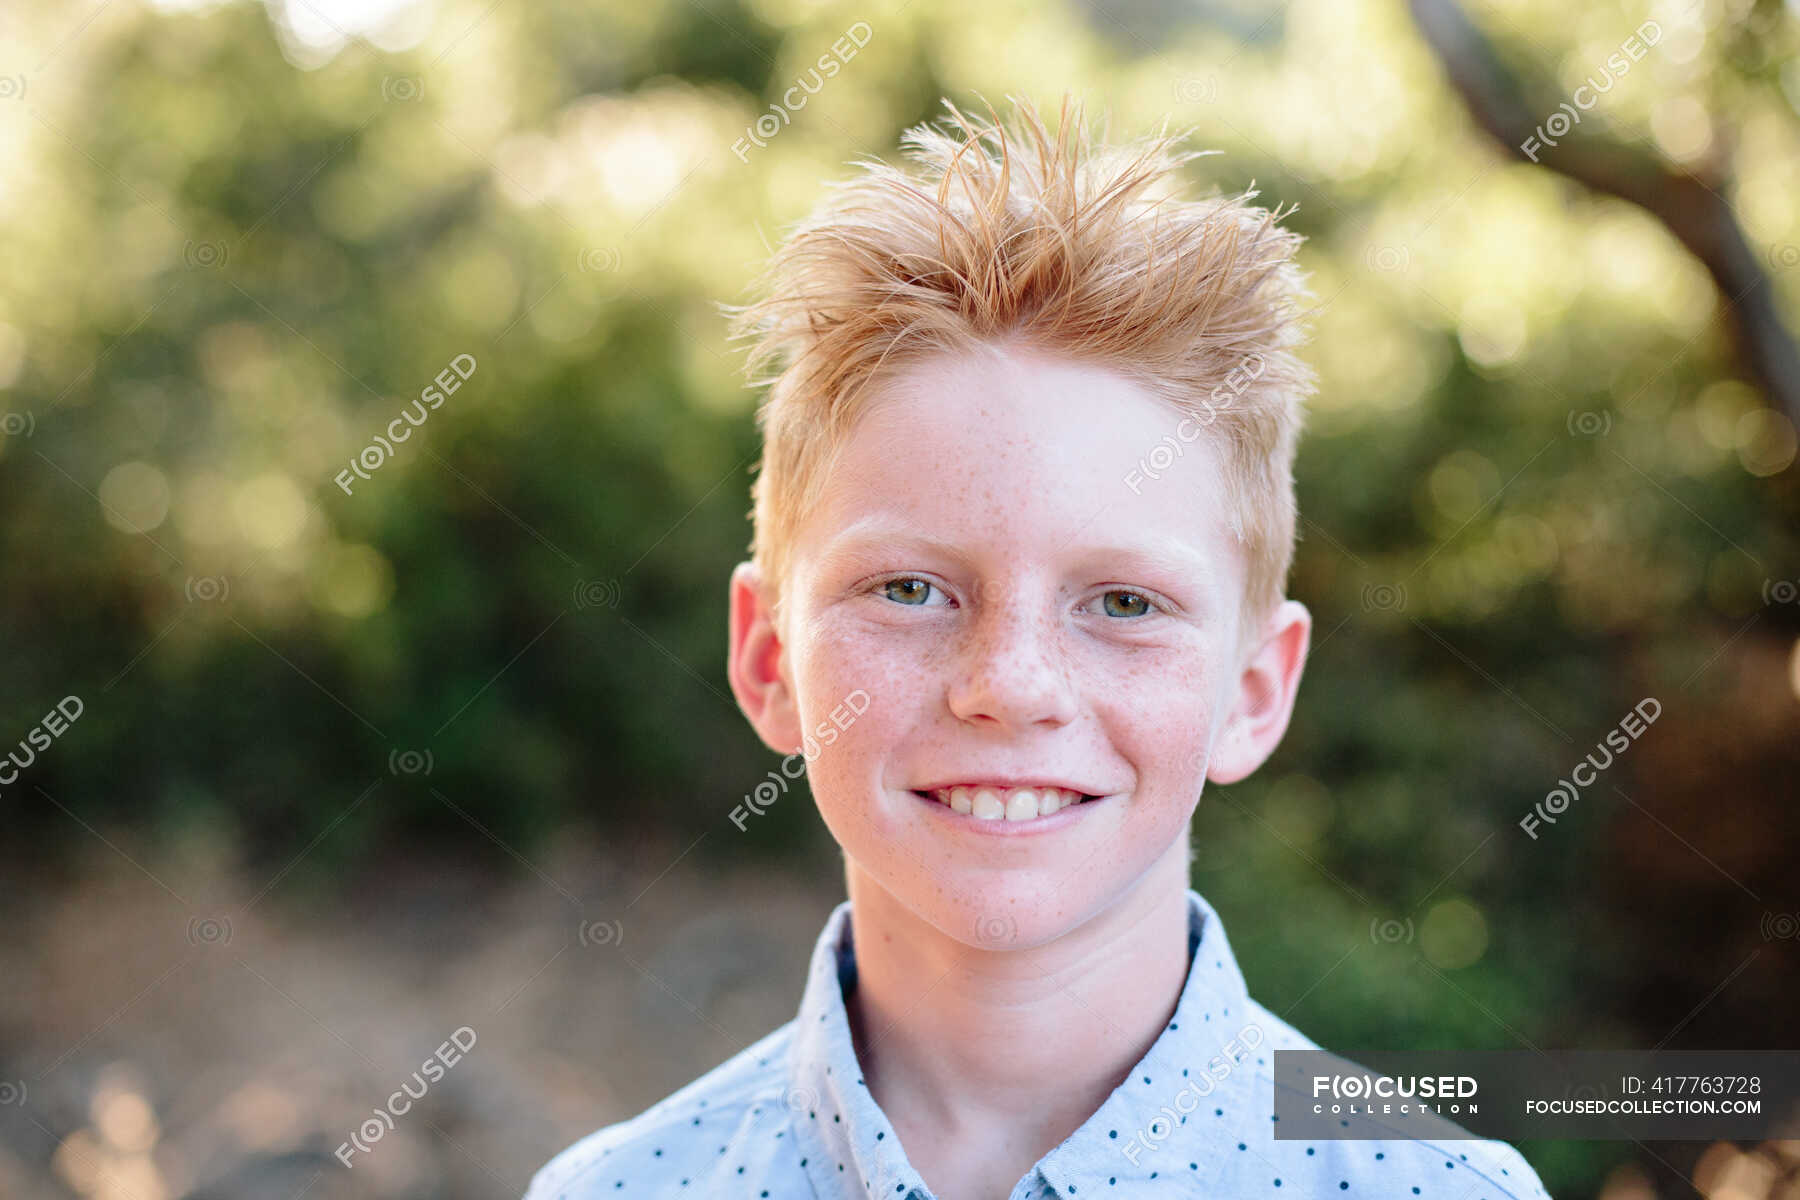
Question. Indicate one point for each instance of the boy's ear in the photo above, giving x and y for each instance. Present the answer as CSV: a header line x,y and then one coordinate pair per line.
x,y
1264,695
756,664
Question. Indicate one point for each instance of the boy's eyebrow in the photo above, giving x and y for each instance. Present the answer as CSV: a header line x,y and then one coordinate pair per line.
x,y
1174,557
879,531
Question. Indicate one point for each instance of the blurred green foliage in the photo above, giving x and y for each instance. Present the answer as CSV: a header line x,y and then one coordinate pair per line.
x,y
1534,488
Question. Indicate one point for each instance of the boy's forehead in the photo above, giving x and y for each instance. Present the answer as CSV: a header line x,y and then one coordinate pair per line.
x,y
969,414
990,454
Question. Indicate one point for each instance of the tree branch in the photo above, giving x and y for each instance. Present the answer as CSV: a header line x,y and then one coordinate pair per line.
x,y
1691,210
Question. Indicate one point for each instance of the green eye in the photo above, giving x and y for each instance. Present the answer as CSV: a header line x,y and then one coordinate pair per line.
x,y
911,590
1134,596
906,590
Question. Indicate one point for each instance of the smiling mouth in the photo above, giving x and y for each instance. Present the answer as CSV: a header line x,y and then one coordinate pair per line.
x,y
1006,804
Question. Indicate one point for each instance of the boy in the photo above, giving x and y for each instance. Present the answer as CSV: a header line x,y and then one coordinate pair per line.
x,y
1027,495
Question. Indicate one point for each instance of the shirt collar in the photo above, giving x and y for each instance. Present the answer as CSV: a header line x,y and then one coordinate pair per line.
x,y
1178,1113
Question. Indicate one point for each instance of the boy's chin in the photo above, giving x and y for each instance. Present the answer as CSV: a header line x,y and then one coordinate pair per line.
x,y
1029,909
1021,906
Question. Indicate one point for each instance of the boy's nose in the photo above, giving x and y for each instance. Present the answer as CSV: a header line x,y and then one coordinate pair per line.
x,y
1013,669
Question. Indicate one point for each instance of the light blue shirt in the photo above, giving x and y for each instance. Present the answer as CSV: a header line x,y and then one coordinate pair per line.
x,y
789,1117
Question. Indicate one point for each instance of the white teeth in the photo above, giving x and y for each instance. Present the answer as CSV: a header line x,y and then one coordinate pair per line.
x,y
1011,804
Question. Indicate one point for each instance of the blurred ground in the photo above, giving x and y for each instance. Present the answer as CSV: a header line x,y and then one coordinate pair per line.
x,y
177,1035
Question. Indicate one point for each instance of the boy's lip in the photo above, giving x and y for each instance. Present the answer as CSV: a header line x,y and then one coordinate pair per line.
x,y
1003,782
1037,826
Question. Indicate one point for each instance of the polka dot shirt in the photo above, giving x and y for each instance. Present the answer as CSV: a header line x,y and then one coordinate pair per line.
x,y
789,1118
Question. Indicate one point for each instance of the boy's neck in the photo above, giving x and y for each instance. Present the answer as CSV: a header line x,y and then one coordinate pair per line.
x,y
982,1057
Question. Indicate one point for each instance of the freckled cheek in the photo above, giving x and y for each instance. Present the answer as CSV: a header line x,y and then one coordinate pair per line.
x,y
890,667
1163,719
869,751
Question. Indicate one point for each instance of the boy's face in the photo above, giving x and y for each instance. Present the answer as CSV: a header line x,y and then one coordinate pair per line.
x,y
981,595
